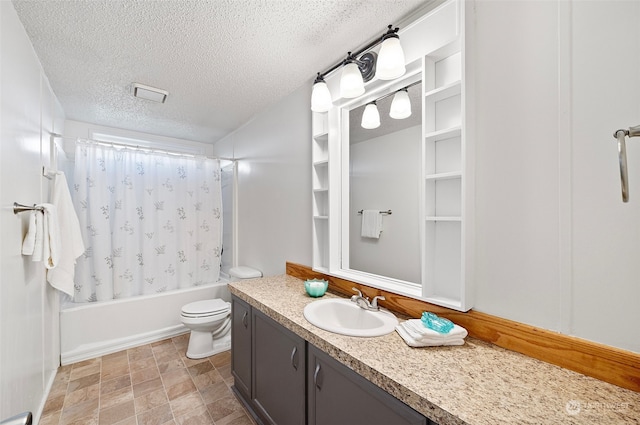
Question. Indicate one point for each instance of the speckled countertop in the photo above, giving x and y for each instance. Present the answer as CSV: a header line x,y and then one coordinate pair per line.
x,y
478,383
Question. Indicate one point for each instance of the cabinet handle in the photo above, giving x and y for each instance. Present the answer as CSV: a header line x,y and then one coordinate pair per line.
x,y
317,378
244,319
294,358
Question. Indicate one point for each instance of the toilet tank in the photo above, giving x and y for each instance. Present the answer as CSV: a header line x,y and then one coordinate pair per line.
x,y
244,272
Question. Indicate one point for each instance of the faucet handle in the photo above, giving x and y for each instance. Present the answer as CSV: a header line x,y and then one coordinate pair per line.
x,y
358,291
374,302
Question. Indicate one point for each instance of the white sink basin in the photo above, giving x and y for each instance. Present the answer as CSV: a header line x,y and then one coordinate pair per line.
x,y
345,317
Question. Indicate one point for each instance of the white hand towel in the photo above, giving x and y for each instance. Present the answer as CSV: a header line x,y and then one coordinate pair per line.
x,y
29,242
51,236
38,246
72,246
417,328
415,343
371,224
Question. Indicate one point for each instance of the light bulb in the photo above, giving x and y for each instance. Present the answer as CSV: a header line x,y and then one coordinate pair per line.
x,y
370,117
320,96
390,63
351,83
401,105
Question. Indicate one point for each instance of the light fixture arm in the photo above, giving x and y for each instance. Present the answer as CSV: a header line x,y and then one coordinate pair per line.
x,y
390,33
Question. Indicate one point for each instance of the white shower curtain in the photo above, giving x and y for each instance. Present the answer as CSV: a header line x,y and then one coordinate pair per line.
x,y
151,222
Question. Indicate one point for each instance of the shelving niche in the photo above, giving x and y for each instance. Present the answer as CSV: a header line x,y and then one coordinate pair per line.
x,y
443,278
320,182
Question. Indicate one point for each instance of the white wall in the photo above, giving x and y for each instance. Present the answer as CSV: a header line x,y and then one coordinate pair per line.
x,y
382,179
555,247
29,336
274,184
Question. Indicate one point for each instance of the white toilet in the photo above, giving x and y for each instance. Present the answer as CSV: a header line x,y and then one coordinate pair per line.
x,y
210,320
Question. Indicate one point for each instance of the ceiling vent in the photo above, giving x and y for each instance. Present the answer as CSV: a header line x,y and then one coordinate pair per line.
x,y
149,93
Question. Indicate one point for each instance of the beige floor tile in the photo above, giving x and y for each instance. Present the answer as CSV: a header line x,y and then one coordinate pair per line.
x,y
144,375
159,415
225,371
169,365
176,376
140,353
146,387
89,369
117,413
53,404
142,363
225,407
129,421
116,397
180,389
78,411
84,394
221,359
115,384
165,356
85,381
200,368
87,420
50,419
198,416
151,400
215,392
235,419
115,368
206,379
88,362
185,404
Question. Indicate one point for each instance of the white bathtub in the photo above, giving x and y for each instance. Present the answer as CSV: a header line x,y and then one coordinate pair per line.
x,y
92,330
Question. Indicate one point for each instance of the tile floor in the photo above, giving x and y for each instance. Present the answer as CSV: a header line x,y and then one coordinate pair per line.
x,y
155,384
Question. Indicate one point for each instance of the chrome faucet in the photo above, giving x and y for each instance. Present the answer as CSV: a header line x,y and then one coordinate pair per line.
x,y
363,302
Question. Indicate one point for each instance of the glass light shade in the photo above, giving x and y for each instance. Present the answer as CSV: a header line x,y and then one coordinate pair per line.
x,y
351,83
370,117
321,97
390,63
400,106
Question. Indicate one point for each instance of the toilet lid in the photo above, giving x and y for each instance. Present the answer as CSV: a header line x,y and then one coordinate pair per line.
x,y
206,307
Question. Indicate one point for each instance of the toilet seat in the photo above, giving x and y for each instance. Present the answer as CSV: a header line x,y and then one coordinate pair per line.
x,y
206,308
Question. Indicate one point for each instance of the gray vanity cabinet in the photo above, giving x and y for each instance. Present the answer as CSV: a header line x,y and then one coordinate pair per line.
x,y
339,396
241,320
279,361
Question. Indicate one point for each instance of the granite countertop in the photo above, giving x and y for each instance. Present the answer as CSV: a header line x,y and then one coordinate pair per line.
x,y
478,383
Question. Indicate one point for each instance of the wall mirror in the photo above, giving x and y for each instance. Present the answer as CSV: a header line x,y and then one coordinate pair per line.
x,y
384,175
417,169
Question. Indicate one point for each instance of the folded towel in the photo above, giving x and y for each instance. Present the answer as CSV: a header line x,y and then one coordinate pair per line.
x,y
71,246
371,224
420,331
29,242
419,343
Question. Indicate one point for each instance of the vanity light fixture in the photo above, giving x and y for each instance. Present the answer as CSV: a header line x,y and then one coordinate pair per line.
x,y
357,70
370,116
391,57
400,105
320,96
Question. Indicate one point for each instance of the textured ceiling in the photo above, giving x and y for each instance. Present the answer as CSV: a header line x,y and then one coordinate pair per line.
x,y
222,61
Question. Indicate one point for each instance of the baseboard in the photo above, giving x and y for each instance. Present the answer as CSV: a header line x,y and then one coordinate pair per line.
x,y
91,351
609,364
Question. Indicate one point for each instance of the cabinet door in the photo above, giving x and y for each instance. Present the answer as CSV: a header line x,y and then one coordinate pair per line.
x,y
339,396
278,372
241,346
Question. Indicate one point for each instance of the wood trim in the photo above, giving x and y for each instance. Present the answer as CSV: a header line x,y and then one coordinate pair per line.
x,y
609,364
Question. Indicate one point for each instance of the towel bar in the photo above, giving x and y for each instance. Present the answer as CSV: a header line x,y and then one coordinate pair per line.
x,y
18,208
381,212
620,136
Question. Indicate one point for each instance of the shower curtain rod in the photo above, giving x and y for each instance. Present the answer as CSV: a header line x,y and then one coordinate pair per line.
x,y
124,145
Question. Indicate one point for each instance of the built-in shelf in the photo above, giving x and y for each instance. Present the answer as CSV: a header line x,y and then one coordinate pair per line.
x,y
320,190
321,217
444,176
442,218
446,133
440,93
321,163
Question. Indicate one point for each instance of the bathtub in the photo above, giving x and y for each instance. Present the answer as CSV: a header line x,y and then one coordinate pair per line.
x,y
90,330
